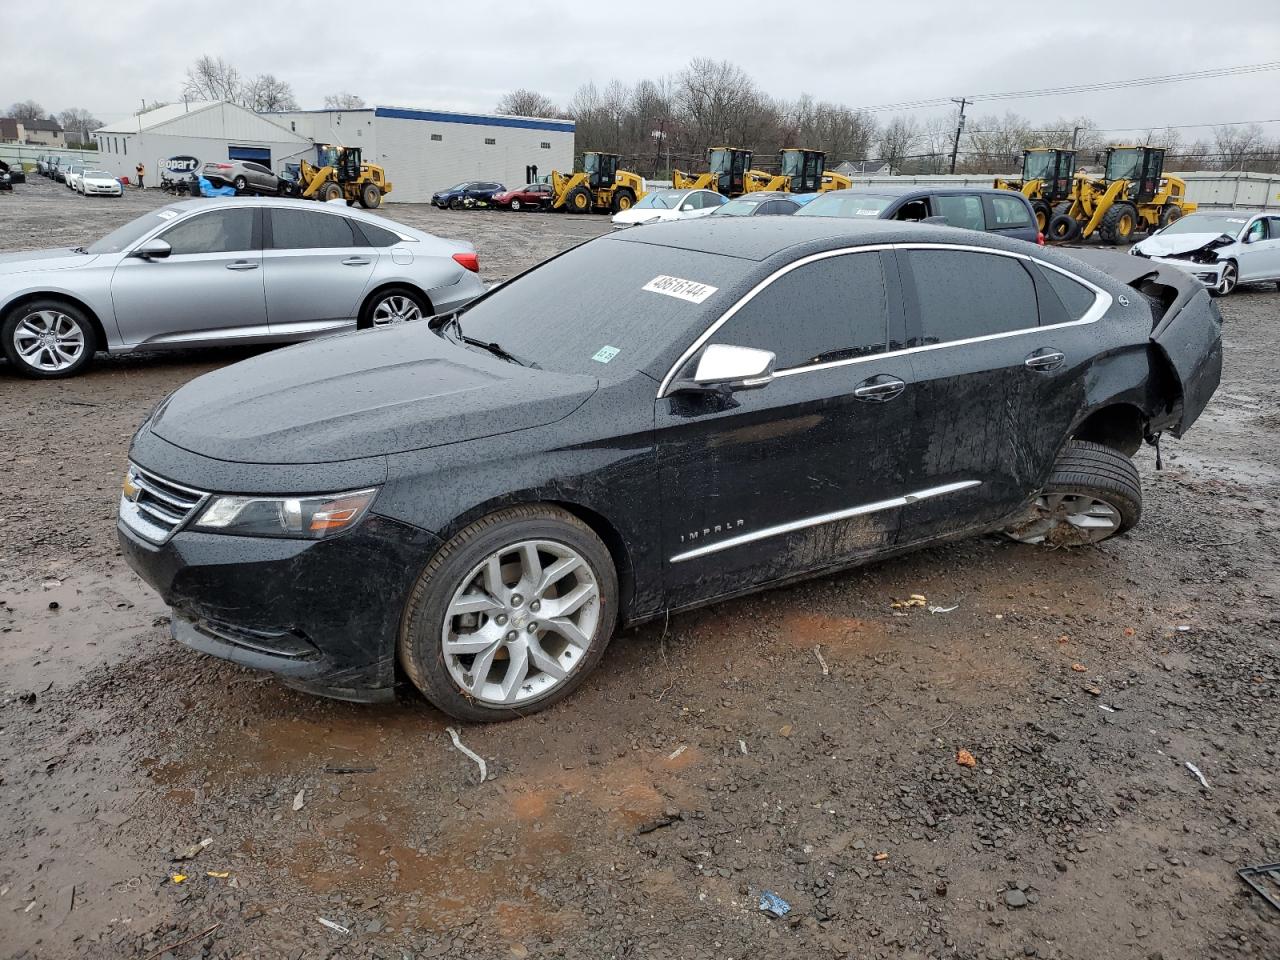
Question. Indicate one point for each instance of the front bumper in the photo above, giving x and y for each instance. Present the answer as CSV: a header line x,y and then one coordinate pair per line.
x,y
324,615
1209,274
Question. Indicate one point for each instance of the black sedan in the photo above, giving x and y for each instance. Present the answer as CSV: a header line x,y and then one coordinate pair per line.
x,y
652,421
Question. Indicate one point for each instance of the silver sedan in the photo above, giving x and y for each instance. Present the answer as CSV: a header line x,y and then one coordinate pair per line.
x,y
225,271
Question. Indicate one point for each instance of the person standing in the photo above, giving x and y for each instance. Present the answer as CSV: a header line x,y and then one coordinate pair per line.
x,y
140,170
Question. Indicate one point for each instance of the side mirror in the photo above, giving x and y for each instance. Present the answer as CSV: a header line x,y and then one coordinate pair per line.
x,y
937,221
154,249
686,207
726,368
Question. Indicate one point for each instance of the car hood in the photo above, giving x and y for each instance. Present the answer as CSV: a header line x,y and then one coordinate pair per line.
x,y
642,215
1166,246
63,258
360,395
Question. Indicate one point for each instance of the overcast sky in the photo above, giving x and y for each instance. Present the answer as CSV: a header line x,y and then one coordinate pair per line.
x,y
466,56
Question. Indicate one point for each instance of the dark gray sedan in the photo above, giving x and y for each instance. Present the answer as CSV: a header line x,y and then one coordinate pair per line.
x,y
243,270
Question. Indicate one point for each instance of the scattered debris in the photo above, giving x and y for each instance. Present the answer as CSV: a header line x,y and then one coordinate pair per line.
x,y
1199,776
337,927
350,769
665,820
937,609
742,746
817,652
773,904
1079,668
193,851
178,877
1016,899
457,742
965,758
1253,876
677,751
915,600
880,857
218,874
1103,706
174,946
786,730
940,887
299,799
1095,691
1130,632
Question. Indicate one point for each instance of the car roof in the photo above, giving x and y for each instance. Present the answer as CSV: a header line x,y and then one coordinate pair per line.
x,y
921,190
289,203
764,195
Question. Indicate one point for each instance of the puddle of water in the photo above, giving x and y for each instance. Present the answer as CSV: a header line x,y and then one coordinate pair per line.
x,y
55,631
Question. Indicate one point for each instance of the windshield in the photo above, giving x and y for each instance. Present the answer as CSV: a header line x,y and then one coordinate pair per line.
x,y
122,238
1124,165
792,163
98,173
721,160
841,203
660,200
1230,224
742,207
1038,165
562,318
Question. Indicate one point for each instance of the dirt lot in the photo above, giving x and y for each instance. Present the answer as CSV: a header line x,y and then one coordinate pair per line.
x,y
710,758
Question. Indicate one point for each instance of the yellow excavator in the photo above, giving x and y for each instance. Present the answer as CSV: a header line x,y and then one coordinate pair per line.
x,y
598,186
800,171
726,173
1130,197
1047,180
339,174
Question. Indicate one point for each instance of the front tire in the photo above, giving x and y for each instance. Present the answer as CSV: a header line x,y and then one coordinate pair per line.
x,y
1228,280
515,205
579,200
48,339
1093,493
1119,223
241,185
330,191
1044,213
511,615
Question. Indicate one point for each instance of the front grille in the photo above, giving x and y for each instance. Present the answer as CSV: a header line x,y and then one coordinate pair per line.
x,y
277,643
155,508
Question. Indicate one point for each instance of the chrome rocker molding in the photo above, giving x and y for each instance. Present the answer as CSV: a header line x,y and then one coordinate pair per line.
x,y
820,519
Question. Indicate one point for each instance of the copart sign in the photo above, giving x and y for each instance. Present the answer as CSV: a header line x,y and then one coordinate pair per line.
x,y
180,165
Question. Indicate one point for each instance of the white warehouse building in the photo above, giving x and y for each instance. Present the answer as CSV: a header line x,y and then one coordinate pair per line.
x,y
425,151
178,138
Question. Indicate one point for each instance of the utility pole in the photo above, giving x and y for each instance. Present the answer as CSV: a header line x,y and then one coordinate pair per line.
x,y
1075,135
955,146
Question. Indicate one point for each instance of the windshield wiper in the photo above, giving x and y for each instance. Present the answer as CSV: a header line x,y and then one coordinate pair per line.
x,y
79,250
451,320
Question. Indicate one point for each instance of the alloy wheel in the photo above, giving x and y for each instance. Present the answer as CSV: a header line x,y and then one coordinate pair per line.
x,y
1068,519
1228,279
48,340
520,622
396,309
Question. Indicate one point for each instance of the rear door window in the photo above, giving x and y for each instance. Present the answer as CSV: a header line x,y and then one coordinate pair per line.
x,y
961,210
1075,297
377,236
305,230
831,309
219,231
1010,212
961,295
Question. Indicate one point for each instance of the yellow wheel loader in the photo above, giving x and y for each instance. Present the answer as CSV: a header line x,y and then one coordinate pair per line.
x,y
800,171
339,174
1131,197
1047,178
726,173
598,187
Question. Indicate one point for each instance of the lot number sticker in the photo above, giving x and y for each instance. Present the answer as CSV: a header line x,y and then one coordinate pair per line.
x,y
689,290
605,354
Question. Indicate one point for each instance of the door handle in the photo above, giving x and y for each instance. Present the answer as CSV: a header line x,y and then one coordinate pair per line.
x,y
242,265
879,389
356,261
1045,359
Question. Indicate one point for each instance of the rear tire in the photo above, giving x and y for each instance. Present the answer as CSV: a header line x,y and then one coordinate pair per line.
x,y
1063,228
623,199
393,306
69,334
370,196
504,539
1094,493
241,185
1169,213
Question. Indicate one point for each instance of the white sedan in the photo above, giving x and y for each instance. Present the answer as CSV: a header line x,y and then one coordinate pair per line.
x,y
1220,248
73,176
669,205
100,183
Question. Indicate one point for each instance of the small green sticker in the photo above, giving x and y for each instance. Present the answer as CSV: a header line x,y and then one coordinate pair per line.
x,y
605,354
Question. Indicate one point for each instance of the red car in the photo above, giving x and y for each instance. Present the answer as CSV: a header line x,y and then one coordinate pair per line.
x,y
532,196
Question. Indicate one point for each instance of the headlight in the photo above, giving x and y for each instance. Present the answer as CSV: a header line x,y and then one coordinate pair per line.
x,y
307,518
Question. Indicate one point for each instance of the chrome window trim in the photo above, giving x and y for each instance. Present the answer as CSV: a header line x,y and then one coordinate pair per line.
x,y
824,518
1101,304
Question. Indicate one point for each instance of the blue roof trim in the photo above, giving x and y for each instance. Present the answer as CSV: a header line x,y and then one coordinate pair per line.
x,y
555,126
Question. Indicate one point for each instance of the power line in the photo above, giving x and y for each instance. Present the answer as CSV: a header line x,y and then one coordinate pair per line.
x,y
1238,70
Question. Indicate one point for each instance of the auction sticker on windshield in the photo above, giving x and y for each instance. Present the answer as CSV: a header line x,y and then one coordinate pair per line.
x,y
689,290
605,354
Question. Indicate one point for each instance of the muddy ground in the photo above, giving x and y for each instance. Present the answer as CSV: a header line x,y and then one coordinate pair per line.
x,y
709,759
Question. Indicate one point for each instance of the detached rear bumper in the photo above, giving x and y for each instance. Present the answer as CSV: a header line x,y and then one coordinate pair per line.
x,y
323,615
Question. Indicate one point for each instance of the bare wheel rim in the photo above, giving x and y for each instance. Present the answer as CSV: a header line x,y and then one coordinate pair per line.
x,y
521,622
1227,281
1068,519
48,340
395,309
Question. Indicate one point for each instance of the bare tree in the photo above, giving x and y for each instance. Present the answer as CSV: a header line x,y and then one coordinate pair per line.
x,y
1234,144
26,110
721,103
343,101
212,78
526,103
79,124
898,140
266,93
